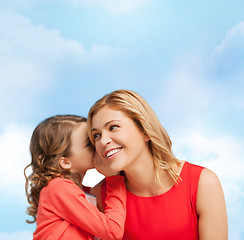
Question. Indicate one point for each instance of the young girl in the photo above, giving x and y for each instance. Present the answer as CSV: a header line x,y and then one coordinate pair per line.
x,y
166,198
61,154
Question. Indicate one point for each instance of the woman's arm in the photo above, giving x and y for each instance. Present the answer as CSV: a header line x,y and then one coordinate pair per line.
x,y
211,208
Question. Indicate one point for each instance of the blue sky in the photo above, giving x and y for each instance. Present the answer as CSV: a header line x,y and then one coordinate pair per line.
x,y
185,58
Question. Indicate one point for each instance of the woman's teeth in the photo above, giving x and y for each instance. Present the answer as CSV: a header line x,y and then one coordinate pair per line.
x,y
110,153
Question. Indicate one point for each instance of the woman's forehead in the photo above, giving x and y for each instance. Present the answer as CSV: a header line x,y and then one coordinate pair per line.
x,y
107,114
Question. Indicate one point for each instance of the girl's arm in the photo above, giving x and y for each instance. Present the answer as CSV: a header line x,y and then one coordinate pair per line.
x,y
211,208
70,204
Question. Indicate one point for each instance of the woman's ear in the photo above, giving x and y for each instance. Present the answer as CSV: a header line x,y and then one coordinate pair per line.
x,y
65,163
146,138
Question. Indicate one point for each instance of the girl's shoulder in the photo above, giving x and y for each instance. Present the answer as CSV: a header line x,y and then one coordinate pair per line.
x,y
60,184
59,180
63,187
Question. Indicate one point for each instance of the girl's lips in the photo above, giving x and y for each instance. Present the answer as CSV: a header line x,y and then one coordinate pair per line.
x,y
111,152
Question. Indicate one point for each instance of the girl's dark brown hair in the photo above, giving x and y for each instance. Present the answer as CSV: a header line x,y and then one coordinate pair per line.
x,y
50,141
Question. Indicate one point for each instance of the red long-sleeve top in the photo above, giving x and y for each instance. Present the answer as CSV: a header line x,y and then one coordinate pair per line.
x,y
64,213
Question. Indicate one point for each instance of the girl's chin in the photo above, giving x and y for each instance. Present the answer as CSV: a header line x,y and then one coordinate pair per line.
x,y
91,167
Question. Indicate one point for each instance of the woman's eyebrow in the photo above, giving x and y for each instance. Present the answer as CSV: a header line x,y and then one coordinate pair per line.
x,y
106,124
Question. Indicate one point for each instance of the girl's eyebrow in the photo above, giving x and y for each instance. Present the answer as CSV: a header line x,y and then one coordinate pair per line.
x,y
106,124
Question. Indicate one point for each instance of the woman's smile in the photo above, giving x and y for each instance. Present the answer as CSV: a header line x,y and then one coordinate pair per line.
x,y
112,152
117,138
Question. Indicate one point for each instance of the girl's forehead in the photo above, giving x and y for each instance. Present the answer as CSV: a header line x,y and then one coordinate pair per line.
x,y
80,130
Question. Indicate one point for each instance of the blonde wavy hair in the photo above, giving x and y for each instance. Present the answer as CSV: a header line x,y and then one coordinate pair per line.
x,y
50,141
138,110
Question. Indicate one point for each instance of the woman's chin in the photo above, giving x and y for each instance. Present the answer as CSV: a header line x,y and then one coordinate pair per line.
x,y
116,167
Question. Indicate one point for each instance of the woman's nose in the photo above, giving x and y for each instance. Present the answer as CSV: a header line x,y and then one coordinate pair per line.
x,y
105,139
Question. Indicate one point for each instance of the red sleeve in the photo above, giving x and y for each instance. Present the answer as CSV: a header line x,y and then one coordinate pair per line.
x,y
86,189
70,204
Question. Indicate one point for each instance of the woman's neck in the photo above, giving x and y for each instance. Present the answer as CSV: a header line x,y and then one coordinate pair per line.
x,y
140,179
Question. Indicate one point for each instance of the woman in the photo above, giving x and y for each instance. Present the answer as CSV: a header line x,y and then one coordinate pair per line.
x,y
166,198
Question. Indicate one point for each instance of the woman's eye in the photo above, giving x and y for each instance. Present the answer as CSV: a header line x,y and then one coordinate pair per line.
x,y
113,127
96,135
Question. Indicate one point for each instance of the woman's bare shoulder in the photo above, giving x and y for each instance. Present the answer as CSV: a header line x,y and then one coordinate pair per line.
x,y
208,181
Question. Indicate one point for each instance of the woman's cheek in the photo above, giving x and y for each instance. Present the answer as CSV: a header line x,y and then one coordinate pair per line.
x,y
98,150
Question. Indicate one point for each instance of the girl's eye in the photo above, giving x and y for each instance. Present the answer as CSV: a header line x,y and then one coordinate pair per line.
x,y
89,143
113,127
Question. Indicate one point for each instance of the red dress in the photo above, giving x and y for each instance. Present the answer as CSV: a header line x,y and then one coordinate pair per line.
x,y
169,216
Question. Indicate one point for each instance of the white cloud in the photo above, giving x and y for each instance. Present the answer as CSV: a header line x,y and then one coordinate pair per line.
x,y
40,51
186,94
201,83
15,156
203,89
115,6
28,55
15,4
22,40
22,75
187,86
224,156
228,57
14,152
19,65
33,59
24,235
233,43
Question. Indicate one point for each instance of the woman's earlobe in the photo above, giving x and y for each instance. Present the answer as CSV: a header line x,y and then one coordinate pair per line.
x,y
146,137
65,163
